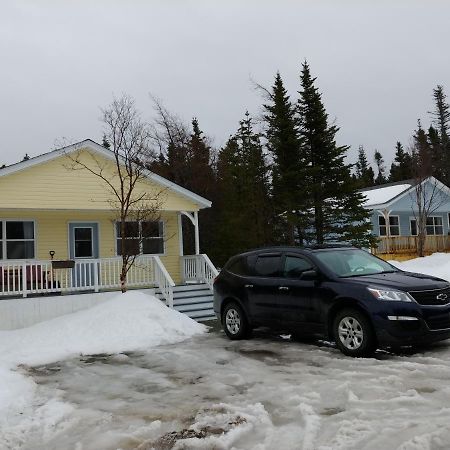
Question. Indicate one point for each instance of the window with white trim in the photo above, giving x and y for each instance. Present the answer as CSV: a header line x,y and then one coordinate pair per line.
x,y
394,225
17,239
141,238
434,225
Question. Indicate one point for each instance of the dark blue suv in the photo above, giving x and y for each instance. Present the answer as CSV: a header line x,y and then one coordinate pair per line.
x,y
339,293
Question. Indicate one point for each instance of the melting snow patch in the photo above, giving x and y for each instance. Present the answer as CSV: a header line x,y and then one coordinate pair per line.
x,y
130,321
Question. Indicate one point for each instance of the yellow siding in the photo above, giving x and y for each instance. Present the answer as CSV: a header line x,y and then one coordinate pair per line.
x,y
52,233
53,185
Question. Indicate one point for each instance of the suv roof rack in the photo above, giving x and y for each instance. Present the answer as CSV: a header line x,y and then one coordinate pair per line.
x,y
325,246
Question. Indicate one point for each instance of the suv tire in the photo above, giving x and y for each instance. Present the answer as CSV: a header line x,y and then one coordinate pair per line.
x,y
235,323
353,333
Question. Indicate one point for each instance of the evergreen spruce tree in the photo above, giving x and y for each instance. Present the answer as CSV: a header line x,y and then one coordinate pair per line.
x,y
379,161
336,208
283,144
363,171
422,158
243,200
401,166
105,142
436,153
441,141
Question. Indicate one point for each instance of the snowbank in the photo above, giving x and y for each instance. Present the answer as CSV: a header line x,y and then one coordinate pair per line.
x,y
437,265
131,321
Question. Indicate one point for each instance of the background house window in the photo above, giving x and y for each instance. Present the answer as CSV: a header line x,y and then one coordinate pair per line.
x,y
16,239
141,238
413,226
434,225
394,225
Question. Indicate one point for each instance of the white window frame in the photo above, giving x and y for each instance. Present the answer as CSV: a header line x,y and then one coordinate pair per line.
x,y
3,240
389,219
434,225
116,237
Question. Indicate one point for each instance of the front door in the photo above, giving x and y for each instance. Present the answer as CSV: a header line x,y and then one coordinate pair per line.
x,y
83,247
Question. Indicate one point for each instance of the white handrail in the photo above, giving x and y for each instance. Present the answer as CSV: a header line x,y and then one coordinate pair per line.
x,y
164,281
199,268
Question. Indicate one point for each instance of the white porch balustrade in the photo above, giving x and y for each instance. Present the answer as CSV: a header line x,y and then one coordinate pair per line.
x,y
198,269
22,278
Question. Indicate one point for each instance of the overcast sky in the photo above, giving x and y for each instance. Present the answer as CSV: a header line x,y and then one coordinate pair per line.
x,y
376,64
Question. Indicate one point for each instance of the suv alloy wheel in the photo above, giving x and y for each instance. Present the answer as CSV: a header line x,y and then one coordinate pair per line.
x,y
234,322
353,333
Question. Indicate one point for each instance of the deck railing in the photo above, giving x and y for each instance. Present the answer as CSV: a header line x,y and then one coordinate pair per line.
x,y
22,278
408,244
198,268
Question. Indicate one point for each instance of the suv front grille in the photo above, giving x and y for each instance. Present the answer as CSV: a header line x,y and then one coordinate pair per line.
x,y
431,297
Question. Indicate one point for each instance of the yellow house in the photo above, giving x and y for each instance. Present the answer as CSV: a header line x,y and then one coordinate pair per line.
x,y
59,232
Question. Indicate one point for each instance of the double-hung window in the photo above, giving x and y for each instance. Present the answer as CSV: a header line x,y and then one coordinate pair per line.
x,y
17,239
434,225
394,225
141,238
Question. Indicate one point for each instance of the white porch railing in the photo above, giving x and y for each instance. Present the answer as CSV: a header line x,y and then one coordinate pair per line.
x,y
163,281
198,268
21,278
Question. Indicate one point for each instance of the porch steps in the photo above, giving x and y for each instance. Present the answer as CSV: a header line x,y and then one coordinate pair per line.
x,y
194,300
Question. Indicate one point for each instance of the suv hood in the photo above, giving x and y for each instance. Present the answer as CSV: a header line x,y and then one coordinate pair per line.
x,y
403,281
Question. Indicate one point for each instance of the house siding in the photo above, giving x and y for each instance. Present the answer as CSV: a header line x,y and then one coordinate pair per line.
x,y
54,185
51,233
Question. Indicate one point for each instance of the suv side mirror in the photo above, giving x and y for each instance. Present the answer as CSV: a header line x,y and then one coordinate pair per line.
x,y
309,275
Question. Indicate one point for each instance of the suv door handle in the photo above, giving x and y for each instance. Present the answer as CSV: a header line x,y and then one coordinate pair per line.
x,y
248,285
283,288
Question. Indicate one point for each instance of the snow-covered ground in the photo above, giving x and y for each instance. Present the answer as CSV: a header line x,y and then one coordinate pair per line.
x,y
437,264
158,381
131,321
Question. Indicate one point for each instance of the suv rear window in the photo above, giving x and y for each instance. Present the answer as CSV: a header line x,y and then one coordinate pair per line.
x,y
268,266
239,267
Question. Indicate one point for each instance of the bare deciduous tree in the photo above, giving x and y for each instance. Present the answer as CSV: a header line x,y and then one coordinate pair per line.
x,y
129,138
428,193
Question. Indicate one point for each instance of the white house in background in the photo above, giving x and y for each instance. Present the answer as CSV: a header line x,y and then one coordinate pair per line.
x,y
394,217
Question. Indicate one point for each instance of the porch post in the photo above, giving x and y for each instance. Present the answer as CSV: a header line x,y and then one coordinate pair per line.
x,y
180,233
197,234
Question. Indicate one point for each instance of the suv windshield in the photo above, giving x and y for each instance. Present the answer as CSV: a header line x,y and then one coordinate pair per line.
x,y
353,263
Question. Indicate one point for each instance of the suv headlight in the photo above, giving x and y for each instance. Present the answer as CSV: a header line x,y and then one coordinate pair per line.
x,y
390,296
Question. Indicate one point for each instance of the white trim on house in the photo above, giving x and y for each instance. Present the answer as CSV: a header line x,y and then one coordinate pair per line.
x,y
91,145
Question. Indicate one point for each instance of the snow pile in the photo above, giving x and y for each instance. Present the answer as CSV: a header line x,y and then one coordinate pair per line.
x,y
437,265
130,321
382,195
